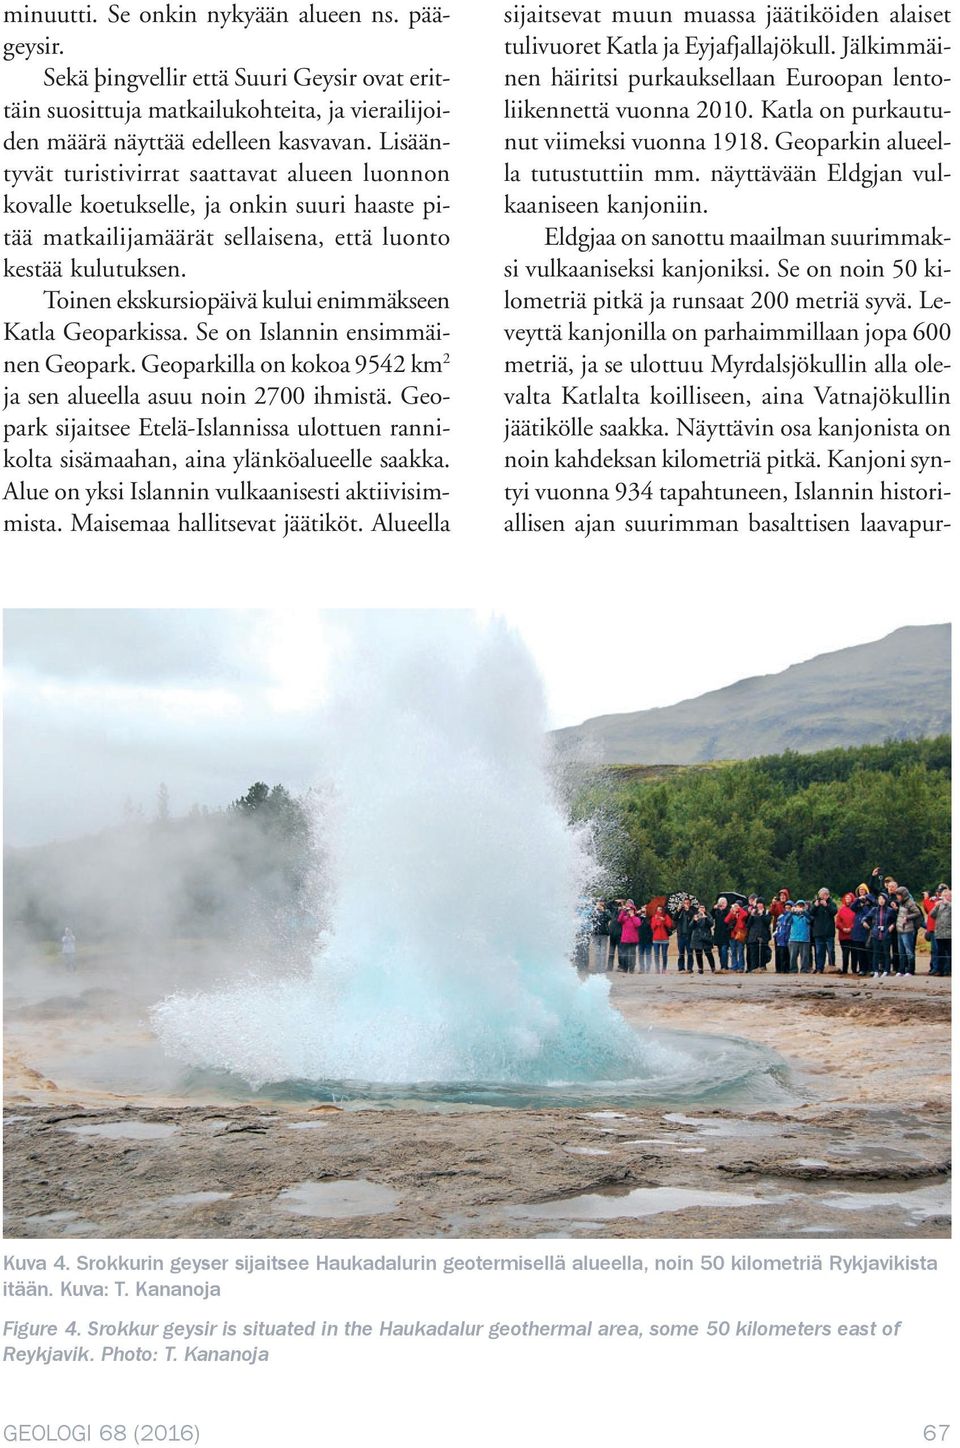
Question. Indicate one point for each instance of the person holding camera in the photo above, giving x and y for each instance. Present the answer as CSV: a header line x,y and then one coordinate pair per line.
x,y
721,930
823,916
758,936
800,939
629,921
660,925
684,923
736,922
701,938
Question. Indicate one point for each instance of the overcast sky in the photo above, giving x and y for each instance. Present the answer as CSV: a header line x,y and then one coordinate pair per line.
x,y
103,705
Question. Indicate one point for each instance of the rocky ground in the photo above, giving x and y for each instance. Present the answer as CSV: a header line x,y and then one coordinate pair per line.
x,y
862,1150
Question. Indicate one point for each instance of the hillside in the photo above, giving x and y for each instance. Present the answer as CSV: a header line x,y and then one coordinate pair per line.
x,y
897,687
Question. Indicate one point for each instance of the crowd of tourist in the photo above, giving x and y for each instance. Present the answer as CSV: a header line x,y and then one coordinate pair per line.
x,y
876,927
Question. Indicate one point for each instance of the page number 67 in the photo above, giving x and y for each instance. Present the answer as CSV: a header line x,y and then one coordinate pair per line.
x,y
936,1432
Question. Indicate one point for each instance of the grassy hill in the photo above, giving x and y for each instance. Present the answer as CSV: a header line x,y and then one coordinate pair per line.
x,y
895,688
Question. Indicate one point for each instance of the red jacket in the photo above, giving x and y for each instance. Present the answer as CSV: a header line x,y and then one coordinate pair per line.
x,y
736,919
661,925
845,919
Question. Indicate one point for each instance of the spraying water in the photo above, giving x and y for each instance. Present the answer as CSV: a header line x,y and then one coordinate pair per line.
x,y
456,882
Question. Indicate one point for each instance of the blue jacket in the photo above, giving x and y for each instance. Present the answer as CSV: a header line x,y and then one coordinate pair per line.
x,y
800,928
880,919
861,906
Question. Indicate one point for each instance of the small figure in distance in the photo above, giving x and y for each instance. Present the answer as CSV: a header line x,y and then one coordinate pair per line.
x,y
68,949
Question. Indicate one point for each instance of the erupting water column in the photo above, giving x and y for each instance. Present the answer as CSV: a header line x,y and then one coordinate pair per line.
x,y
457,878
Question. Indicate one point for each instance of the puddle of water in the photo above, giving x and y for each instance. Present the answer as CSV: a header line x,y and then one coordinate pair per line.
x,y
639,1202
671,1142
874,1150
720,1126
586,1150
192,1199
70,1224
919,1203
306,1125
357,1198
125,1130
571,1229
810,1161
654,1141
9,1120
605,1115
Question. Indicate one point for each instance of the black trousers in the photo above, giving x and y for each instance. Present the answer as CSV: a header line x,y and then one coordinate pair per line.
x,y
756,955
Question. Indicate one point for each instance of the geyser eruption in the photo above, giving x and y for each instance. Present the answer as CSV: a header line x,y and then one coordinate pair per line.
x,y
456,882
